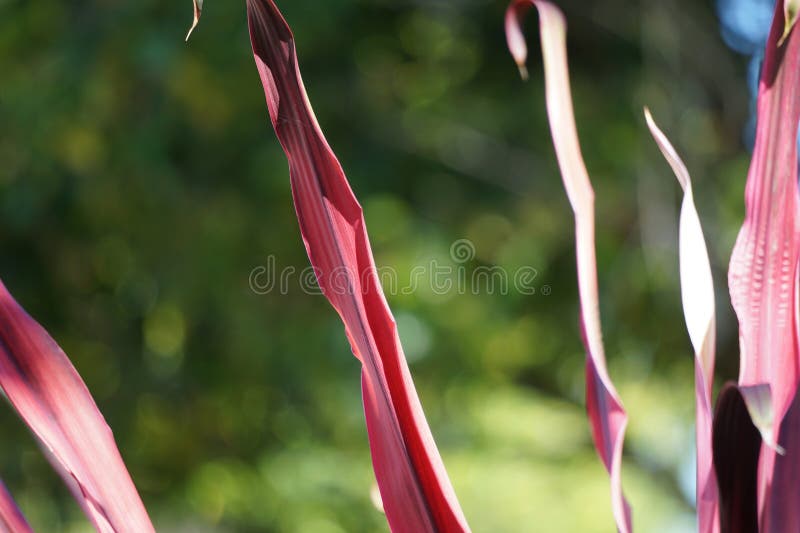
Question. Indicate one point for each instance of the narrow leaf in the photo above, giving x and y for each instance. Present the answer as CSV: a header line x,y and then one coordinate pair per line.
x,y
11,518
736,444
49,395
697,292
415,490
606,413
763,269
197,11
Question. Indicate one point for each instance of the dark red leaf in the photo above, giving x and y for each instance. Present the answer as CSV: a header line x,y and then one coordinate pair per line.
x,y
736,444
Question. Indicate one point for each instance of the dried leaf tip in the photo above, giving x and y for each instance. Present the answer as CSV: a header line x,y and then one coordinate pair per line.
x,y
198,10
758,399
515,39
791,9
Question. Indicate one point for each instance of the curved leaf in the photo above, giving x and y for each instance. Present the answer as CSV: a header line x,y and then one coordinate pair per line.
x,y
49,395
697,292
416,492
606,413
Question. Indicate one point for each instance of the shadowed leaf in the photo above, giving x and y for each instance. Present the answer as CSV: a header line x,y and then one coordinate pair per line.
x,y
736,443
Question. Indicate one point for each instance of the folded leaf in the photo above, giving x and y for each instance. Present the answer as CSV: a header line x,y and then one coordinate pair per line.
x,y
697,292
606,413
759,404
763,270
11,518
49,395
416,492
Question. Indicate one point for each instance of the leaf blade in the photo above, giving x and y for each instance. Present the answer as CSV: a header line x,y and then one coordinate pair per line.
x,y
11,518
764,264
697,294
49,395
606,412
415,490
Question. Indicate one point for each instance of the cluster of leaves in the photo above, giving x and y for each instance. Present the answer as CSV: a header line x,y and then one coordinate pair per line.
x,y
416,492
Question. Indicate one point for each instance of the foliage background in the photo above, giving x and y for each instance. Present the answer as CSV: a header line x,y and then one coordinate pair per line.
x,y
140,184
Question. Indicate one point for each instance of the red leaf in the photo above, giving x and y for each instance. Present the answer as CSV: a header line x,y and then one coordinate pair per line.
x,y
11,518
49,395
414,486
606,413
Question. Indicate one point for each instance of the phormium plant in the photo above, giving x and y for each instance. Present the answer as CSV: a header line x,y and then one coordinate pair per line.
x,y
748,447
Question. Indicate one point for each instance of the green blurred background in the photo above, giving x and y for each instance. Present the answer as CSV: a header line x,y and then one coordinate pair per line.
x,y
141,184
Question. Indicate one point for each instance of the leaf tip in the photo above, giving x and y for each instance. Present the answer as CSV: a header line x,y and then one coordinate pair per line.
x,y
198,9
189,33
647,115
791,9
523,71
769,440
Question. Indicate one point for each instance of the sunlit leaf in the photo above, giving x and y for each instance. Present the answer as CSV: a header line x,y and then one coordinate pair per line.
x,y
763,269
606,413
697,292
416,493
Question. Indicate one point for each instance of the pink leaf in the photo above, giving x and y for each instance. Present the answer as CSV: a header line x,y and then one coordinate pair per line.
x,y
11,518
49,395
606,413
697,292
764,261
763,270
415,490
